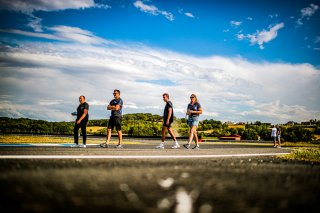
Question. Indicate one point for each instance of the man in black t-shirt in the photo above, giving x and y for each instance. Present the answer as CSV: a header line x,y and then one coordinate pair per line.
x,y
167,121
115,119
81,122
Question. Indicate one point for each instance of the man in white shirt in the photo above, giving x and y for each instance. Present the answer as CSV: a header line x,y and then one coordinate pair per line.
x,y
274,135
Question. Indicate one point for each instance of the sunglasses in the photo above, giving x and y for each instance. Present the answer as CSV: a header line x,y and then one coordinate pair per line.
x,y
191,97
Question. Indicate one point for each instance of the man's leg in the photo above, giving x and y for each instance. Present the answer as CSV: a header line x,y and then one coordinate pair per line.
x,y
119,137
163,138
75,133
176,144
118,124
172,135
108,135
84,132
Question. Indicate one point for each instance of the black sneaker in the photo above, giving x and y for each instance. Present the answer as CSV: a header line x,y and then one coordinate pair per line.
x,y
104,145
187,146
119,146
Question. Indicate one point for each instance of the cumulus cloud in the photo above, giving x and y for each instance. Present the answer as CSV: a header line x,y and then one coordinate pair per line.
x,y
261,37
151,9
44,80
306,13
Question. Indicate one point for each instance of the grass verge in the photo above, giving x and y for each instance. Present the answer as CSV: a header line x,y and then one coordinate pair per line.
x,y
309,154
14,139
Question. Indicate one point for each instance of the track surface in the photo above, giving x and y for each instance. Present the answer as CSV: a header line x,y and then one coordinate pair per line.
x,y
139,178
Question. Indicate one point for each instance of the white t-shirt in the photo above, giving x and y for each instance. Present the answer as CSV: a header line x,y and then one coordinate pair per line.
x,y
273,132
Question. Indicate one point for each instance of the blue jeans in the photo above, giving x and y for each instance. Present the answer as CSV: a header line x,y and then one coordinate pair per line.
x,y
193,121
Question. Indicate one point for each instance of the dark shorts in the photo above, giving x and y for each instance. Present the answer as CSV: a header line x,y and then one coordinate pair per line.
x,y
115,121
168,126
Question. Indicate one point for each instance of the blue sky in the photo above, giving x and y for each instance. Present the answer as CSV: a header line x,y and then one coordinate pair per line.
x,y
246,60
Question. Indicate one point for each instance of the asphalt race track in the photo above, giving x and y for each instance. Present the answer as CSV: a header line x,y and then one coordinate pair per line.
x,y
140,178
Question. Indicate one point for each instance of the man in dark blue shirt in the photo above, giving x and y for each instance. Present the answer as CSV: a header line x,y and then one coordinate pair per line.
x,y
81,122
115,119
167,121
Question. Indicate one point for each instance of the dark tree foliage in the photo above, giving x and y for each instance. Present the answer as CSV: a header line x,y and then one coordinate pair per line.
x,y
147,124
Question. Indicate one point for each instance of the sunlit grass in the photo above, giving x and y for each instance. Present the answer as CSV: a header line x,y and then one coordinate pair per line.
x,y
34,139
299,144
304,154
12,139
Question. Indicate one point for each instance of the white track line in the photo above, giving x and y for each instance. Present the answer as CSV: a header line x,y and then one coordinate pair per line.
x,y
131,156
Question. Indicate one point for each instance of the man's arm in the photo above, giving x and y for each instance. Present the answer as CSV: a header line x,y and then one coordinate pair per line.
x,y
169,115
116,107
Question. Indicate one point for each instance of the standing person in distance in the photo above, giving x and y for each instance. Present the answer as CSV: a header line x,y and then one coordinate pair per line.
x,y
115,119
279,136
274,135
193,111
167,121
81,122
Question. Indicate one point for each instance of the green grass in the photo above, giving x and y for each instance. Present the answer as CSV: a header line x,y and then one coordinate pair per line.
x,y
304,154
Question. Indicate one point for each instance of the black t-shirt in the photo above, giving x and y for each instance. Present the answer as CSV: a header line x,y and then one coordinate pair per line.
x,y
115,102
166,112
80,111
278,131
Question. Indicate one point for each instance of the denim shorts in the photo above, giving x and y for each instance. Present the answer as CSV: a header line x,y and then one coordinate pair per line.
x,y
193,121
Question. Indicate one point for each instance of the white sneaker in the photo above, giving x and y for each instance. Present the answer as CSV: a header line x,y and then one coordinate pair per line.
x,y
161,146
175,146
75,145
82,146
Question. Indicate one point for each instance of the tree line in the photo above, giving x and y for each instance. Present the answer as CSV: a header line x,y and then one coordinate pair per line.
x,y
149,125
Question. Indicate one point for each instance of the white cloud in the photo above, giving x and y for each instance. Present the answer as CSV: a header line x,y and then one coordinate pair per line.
x,y
189,15
63,33
273,15
44,5
307,12
261,37
44,81
50,102
28,7
151,9
235,23
249,18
